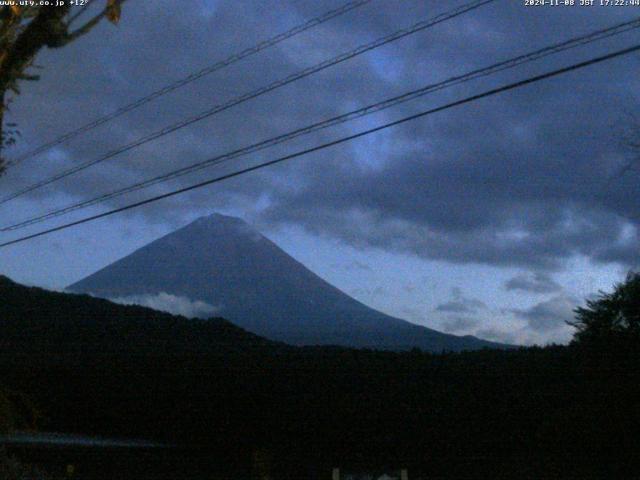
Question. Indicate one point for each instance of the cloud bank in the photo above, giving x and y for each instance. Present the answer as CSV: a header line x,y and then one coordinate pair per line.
x,y
550,314
516,180
174,304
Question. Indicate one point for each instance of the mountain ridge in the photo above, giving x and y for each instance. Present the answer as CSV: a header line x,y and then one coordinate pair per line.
x,y
42,322
224,262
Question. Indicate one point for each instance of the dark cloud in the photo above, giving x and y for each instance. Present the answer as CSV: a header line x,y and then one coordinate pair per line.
x,y
496,335
519,179
357,265
458,324
550,314
534,282
409,287
460,304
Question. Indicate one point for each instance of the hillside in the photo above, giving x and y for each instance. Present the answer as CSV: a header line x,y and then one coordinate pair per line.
x,y
45,322
96,368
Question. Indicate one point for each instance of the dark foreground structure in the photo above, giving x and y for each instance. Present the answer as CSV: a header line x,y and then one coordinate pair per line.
x,y
123,464
239,406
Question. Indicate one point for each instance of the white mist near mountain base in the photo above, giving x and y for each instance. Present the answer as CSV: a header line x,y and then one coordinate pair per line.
x,y
174,304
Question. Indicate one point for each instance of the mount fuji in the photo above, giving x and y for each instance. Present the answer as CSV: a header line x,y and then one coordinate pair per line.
x,y
222,263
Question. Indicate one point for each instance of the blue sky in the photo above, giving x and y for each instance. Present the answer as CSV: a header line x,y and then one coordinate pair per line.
x,y
491,219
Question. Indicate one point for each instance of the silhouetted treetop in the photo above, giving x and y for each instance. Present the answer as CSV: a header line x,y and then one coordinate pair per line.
x,y
612,316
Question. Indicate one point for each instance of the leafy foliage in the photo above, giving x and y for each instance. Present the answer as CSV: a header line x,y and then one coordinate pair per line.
x,y
612,317
25,30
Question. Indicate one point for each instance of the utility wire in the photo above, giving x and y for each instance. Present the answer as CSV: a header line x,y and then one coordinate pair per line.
x,y
488,93
367,110
236,57
255,93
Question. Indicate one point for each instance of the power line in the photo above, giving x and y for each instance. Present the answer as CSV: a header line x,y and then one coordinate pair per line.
x,y
256,93
236,57
339,141
367,110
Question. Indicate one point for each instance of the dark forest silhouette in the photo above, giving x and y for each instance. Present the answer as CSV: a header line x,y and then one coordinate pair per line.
x,y
557,411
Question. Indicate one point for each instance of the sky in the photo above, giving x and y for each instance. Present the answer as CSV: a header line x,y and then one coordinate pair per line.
x,y
496,218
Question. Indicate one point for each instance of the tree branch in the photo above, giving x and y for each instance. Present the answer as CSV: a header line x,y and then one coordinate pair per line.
x,y
2,107
83,30
87,27
43,30
24,31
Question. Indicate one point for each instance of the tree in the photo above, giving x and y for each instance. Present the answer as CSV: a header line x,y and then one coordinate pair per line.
x,y
24,31
611,317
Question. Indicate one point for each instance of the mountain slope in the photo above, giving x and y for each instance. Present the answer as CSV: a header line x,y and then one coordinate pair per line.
x,y
33,320
222,261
